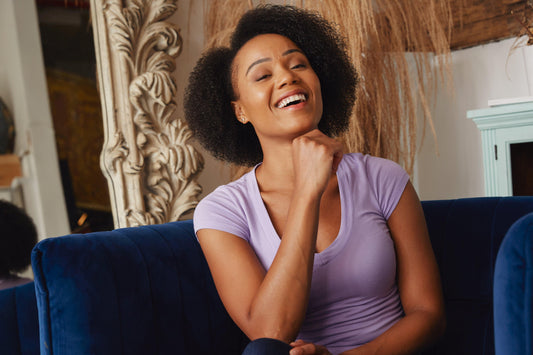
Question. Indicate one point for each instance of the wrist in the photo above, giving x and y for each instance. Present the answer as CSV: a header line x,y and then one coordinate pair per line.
x,y
302,196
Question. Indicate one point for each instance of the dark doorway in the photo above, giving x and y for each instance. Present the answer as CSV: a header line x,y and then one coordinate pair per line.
x,y
522,168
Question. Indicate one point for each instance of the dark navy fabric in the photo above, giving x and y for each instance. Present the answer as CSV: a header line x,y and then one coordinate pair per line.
x,y
143,290
19,329
513,290
148,290
466,235
267,346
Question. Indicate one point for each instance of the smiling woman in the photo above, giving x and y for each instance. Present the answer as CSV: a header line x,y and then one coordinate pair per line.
x,y
281,92
329,252
214,124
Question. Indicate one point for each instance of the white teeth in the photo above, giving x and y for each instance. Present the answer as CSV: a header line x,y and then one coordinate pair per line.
x,y
292,98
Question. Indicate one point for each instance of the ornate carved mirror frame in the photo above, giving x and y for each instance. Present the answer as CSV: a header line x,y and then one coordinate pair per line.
x,y
149,164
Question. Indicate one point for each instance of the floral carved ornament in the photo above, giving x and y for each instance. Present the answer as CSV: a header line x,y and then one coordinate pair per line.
x,y
150,166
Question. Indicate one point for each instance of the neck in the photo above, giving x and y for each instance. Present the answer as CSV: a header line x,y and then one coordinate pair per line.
x,y
277,170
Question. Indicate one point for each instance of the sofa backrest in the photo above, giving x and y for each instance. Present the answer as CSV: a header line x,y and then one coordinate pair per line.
x,y
19,328
147,290
142,290
466,235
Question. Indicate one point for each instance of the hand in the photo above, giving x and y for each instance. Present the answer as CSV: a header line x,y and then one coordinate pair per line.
x,y
315,157
301,347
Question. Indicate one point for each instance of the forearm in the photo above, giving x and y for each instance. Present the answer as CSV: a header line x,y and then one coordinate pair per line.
x,y
279,306
412,333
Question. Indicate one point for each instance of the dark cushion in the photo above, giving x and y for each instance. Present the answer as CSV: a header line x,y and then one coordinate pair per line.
x,y
19,329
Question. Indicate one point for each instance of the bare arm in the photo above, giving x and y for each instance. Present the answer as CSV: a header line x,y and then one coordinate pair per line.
x,y
272,304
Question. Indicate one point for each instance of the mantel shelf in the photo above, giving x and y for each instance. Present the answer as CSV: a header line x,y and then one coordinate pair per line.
x,y
502,116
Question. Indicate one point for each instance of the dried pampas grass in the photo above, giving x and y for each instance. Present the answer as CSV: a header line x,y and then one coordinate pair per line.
x,y
400,49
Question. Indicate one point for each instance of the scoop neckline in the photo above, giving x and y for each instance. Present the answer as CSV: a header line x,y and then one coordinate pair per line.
x,y
338,243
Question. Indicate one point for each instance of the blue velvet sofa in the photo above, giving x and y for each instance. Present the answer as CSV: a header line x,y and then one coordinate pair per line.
x,y
19,328
147,290
513,290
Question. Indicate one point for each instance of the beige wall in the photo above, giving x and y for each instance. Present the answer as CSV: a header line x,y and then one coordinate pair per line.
x,y
215,173
23,88
480,74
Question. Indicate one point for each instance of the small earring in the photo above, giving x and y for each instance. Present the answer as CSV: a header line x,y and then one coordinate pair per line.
x,y
243,118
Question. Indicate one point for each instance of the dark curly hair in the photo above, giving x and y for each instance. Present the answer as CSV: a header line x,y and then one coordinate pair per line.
x,y
17,238
209,93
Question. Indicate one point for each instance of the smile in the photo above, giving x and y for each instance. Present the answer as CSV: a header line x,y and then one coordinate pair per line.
x,y
292,100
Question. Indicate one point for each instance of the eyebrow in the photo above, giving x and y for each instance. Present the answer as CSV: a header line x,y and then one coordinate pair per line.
x,y
262,60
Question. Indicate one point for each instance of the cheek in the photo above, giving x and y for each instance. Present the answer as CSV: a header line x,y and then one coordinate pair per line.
x,y
316,87
255,98
318,91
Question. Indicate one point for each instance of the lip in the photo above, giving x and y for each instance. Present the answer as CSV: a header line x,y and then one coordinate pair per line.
x,y
290,93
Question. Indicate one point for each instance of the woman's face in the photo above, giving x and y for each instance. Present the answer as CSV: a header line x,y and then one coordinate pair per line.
x,y
278,91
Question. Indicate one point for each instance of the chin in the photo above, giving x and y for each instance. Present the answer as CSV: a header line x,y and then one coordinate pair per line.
x,y
301,130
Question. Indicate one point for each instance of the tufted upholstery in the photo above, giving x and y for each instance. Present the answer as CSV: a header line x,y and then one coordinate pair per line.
x,y
147,290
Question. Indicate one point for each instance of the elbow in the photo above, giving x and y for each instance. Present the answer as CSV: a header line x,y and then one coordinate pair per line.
x,y
440,321
437,324
432,323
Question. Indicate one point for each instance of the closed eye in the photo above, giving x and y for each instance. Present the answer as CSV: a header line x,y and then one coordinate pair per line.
x,y
297,66
262,77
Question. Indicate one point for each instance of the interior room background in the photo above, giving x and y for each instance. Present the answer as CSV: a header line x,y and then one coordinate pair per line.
x,y
47,80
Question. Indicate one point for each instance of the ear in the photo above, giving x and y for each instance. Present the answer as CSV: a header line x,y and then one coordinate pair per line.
x,y
239,112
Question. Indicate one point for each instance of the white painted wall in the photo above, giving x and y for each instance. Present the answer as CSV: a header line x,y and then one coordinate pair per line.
x,y
23,88
480,74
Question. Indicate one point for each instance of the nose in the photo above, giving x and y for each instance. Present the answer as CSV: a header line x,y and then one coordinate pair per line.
x,y
286,76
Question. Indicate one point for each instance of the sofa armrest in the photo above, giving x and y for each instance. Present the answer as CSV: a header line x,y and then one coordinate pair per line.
x,y
513,290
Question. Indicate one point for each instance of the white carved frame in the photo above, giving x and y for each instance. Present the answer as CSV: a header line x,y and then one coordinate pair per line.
x,y
150,167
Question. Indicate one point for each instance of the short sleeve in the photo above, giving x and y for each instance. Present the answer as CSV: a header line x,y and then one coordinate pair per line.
x,y
221,211
388,180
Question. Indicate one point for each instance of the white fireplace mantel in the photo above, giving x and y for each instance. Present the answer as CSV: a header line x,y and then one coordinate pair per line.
x,y
501,126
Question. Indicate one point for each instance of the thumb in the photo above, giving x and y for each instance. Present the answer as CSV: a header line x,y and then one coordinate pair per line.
x,y
337,158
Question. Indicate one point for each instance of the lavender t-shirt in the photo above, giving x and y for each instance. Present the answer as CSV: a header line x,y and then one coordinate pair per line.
x,y
354,297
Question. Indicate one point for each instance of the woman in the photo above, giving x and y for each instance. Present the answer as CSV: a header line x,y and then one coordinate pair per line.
x,y
313,245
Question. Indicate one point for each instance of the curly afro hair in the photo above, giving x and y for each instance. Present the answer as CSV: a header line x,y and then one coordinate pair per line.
x,y
209,93
17,238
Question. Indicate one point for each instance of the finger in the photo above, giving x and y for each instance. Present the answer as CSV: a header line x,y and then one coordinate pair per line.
x,y
306,349
337,151
297,342
320,350
337,158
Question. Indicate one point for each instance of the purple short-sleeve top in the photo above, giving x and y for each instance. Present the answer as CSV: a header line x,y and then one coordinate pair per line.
x,y
354,296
